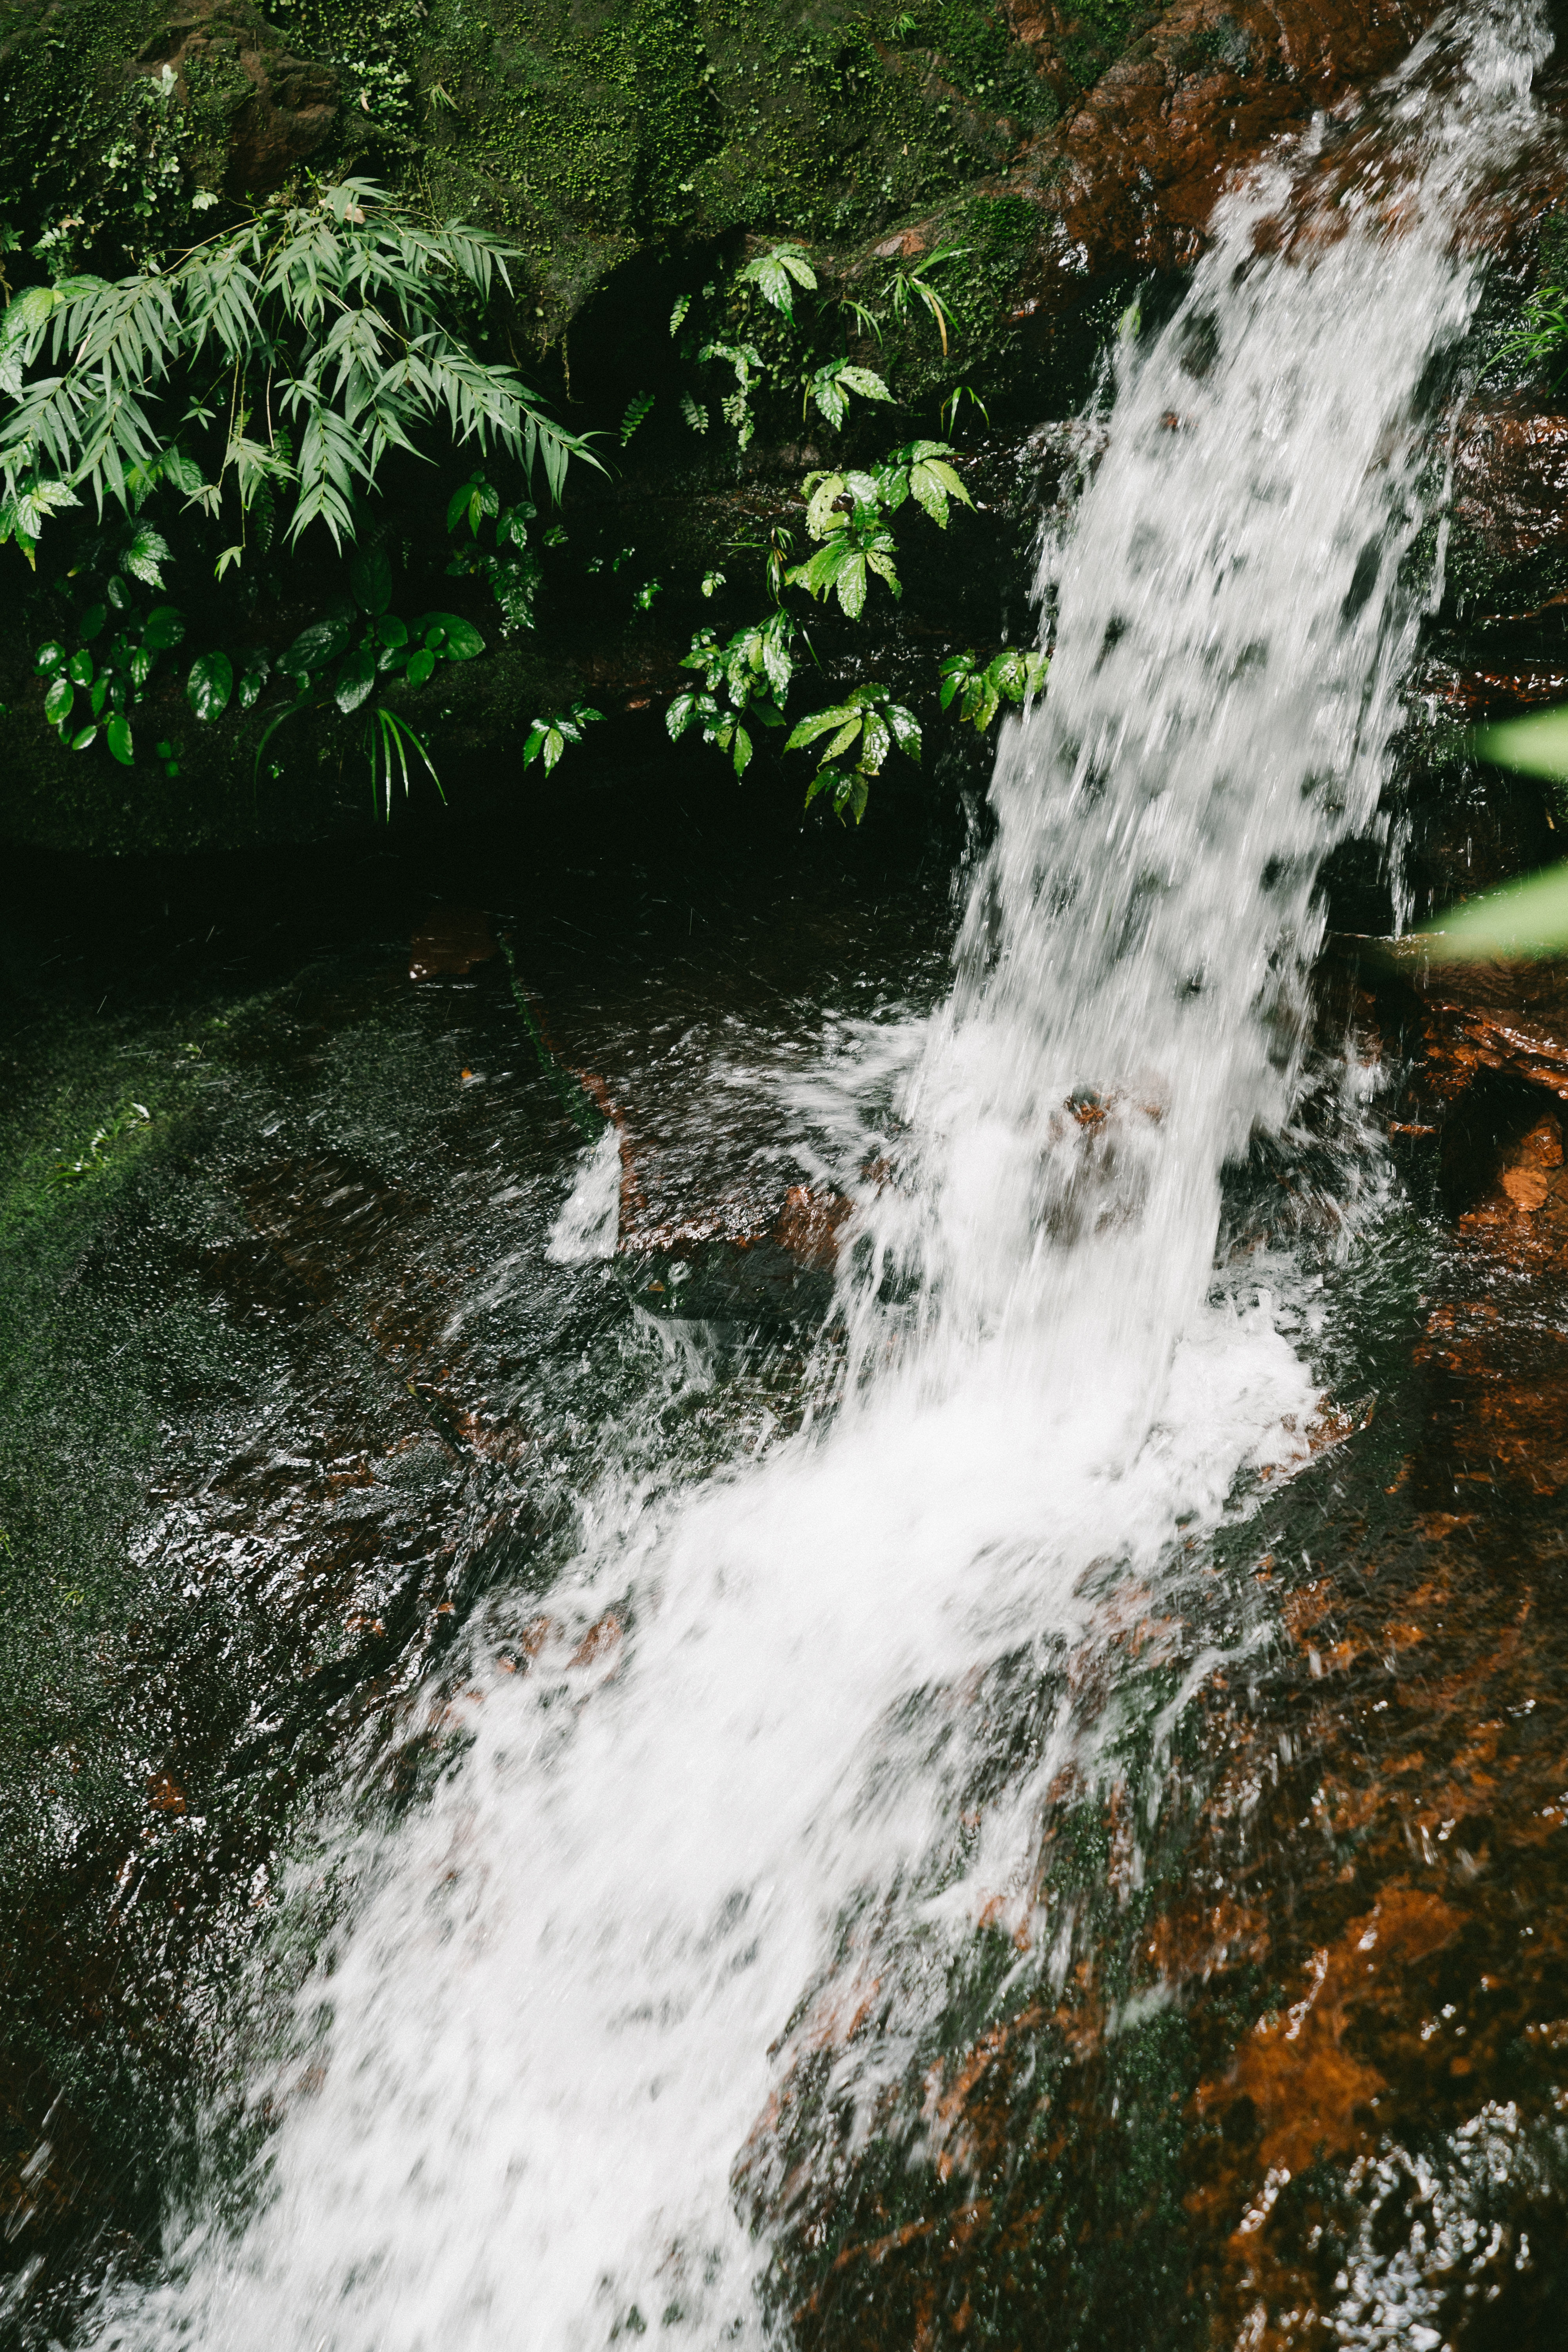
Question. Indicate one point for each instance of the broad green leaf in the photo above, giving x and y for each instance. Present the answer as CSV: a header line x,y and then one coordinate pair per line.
x,y
89,735
118,593
391,631
450,634
355,677
679,715
875,741
165,628
315,646
96,695
210,685
905,728
91,625
117,735
850,585
370,581
821,722
420,665
58,700
49,657
79,668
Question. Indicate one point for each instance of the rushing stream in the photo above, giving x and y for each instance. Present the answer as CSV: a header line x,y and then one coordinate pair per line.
x,y
670,1951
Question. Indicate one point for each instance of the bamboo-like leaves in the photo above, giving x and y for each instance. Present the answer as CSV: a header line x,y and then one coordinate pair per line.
x,y
330,316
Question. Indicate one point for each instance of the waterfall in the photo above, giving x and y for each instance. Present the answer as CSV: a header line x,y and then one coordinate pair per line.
x,y
562,2014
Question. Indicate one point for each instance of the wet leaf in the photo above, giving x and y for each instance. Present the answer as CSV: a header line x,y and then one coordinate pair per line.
x,y
210,685
117,735
165,628
355,677
370,579
58,700
315,646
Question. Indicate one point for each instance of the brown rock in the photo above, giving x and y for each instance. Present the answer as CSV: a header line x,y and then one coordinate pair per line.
x,y
1133,173
263,109
1510,480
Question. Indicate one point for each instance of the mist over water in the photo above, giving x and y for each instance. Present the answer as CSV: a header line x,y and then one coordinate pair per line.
x,y
680,1847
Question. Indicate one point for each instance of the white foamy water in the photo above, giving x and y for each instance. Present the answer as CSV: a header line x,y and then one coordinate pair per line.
x,y
586,1229
560,2014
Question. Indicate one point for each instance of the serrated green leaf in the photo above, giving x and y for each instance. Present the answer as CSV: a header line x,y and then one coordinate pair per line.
x,y
145,554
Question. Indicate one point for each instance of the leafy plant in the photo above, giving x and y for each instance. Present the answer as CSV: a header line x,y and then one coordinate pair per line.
x,y
548,737
830,387
776,274
1542,333
509,568
735,406
637,409
860,545
914,286
1008,677
868,722
919,469
363,645
754,671
332,319
88,693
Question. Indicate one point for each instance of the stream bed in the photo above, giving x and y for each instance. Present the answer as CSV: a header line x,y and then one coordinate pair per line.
x,y
805,1588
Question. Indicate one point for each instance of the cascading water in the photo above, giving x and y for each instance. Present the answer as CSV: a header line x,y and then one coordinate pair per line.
x,y
733,1770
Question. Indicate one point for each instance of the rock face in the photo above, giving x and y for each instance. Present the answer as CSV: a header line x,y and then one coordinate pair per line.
x,y
261,110
1132,173
124,121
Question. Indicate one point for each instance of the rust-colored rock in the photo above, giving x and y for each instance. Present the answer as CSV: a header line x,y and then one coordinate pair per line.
x,y
1510,480
264,110
1132,175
